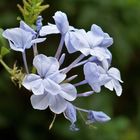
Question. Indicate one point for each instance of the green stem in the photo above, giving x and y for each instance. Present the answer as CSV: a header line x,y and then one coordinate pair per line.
x,y
9,70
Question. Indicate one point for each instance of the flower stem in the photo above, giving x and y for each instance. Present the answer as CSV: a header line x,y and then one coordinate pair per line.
x,y
9,70
60,47
35,49
66,70
25,62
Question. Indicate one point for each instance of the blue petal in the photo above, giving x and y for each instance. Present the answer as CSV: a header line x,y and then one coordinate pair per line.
x,y
94,39
100,53
95,75
26,27
19,39
91,72
38,40
114,84
40,102
79,42
57,104
49,29
29,80
68,43
33,82
97,30
57,77
61,22
115,73
68,92
45,65
51,87
108,41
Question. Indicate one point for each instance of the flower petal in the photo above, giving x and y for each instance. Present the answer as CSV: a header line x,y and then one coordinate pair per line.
x,y
49,29
40,102
91,72
38,40
94,39
68,92
57,77
19,38
117,87
29,80
51,87
79,41
45,65
26,27
109,85
115,73
68,44
61,22
97,30
100,53
108,41
57,104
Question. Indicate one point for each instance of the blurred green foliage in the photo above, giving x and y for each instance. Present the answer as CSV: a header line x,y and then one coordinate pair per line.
x,y
121,19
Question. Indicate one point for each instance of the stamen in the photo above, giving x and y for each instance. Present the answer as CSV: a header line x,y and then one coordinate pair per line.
x,y
52,123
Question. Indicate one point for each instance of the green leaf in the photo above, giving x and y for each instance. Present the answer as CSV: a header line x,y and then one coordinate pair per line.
x,y
4,51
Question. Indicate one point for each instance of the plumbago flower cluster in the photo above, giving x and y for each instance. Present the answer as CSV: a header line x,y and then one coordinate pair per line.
x,y
49,84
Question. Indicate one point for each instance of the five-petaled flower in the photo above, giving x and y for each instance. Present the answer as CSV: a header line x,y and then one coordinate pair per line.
x,y
47,86
21,38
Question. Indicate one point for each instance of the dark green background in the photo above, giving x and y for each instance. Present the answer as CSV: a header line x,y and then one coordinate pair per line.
x,y
121,19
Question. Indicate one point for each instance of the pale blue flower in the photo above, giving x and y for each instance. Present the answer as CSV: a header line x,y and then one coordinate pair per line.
x,y
114,74
104,40
47,87
57,102
21,38
62,25
95,76
94,42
